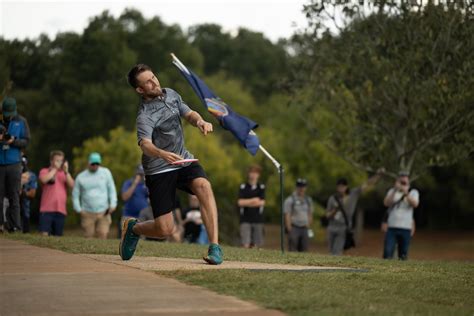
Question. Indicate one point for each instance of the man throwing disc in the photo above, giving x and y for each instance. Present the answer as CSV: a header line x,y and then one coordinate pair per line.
x,y
160,136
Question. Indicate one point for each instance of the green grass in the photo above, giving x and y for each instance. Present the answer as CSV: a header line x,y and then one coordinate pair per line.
x,y
390,287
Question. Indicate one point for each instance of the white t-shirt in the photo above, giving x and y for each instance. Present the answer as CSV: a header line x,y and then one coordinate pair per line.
x,y
402,215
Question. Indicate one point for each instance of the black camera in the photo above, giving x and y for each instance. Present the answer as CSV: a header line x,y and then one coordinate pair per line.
x,y
3,131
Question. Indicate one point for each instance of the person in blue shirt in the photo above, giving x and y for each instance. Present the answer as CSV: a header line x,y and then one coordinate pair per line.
x,y
135,195
29,183
14,136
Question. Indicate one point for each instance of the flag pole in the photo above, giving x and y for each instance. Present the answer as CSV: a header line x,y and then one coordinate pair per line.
x,y
279,167
282,219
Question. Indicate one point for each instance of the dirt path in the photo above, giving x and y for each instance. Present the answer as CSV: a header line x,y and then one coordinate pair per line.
x,y
175,264
40,281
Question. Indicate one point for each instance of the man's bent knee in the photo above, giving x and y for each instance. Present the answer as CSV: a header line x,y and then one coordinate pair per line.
x,y
202,185
163,228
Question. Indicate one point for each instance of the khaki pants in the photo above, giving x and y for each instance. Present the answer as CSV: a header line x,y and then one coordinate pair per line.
x,y
95,223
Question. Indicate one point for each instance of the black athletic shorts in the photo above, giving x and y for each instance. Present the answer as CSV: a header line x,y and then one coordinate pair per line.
x,y
162,187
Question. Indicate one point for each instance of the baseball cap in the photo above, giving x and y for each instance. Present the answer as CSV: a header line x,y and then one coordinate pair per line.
x,y
9,107
301,182
95,158
342,181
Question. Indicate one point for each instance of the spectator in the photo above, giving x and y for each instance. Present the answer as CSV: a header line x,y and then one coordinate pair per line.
x,y
401,202
298,209
146,214
14,136
340,210
251,203
29,184
194,229
55,180
95,198
135,195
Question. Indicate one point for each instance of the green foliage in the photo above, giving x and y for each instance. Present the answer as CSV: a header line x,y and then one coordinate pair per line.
x,y
248,56
119,150
401,96
345,87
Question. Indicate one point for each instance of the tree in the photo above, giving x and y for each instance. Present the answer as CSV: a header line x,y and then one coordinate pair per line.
x,y
395,85
248,56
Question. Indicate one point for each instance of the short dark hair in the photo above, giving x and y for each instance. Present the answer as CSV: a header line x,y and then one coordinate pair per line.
x,y
342,181
134,72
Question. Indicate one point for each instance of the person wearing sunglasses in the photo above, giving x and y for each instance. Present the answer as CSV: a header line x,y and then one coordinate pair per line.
x,y
94,196
401,200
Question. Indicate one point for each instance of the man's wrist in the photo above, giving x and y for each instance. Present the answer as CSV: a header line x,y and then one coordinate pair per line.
x,y
200,121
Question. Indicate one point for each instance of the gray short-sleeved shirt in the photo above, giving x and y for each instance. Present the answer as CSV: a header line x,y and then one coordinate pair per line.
x,y
160,121
337,223
300,209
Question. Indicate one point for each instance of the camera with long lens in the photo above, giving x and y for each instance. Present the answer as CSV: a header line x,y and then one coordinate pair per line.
x,y
5,137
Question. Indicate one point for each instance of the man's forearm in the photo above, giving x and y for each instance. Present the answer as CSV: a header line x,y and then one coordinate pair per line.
x,y
252,202
129,192
388,201
193,118
69,180
45,178
412,201
150,149
21,142
288,222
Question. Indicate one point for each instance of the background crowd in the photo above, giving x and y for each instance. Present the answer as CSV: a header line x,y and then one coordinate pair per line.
x,y
94,197
391,86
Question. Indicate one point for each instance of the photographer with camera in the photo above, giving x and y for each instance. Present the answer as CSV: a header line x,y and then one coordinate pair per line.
x,y
29,185
340,210
401,202
14,136
134,193
55,180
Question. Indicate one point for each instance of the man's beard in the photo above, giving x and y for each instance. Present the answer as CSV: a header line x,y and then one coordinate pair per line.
x,y
153,94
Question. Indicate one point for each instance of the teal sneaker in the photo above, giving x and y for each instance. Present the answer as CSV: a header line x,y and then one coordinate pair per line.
x,y
129,240
214,254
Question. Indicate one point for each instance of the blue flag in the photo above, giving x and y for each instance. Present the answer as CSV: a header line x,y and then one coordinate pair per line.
x,y
240,126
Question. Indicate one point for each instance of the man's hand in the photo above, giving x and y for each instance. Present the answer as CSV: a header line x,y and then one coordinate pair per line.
x,y
384,227
380,171
138,179
10,141
405,189
66,167
169,156
110,210
398,186
204,127
25,177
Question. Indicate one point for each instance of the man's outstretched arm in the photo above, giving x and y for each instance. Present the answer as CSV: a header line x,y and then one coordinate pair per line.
x,y
195,119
